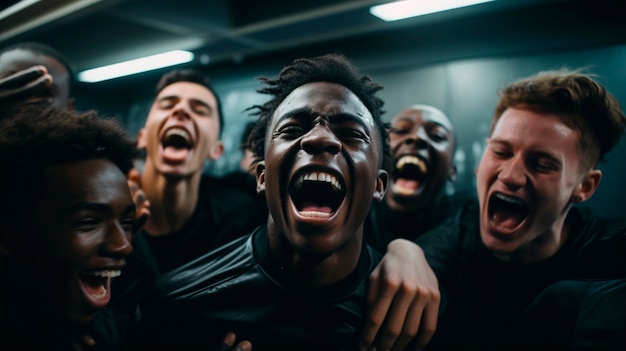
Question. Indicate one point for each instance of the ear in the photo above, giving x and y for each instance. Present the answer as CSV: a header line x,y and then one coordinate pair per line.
x,y
216,150
587,186
452,174
141,139
381,185
71,104
260,177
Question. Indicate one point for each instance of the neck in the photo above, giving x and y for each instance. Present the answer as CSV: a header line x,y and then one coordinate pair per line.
x,y
172,200
544,246
318,269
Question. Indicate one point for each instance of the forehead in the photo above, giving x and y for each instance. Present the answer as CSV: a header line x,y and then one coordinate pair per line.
x,y
324,99
97,180
188,90
537,130
19,59
422,116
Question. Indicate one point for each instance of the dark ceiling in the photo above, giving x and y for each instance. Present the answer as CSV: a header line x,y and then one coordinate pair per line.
x,y
91,33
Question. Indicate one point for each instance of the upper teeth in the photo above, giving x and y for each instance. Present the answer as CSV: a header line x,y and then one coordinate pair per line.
x,y
320,177
177,131
413,160
105,273
510,199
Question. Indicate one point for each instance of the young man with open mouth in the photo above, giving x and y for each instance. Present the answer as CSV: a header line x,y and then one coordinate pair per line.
x,y
527,231
66,222
298,282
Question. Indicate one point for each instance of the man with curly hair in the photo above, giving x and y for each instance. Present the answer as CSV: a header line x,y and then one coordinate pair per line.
x,y
298,282
66,220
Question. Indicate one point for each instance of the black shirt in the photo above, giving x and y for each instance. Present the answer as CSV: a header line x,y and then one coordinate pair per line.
x,y
483,297
239,287
577,315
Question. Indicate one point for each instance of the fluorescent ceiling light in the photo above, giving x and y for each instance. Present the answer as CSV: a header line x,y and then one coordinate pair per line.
x,y
143,64
398,10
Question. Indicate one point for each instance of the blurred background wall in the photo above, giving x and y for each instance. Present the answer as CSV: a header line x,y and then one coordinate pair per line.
x,y
456,62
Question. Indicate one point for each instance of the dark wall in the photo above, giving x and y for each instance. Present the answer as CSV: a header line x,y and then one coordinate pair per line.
x,y
461,82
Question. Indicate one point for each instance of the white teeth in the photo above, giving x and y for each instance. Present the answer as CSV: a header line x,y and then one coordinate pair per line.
x,y
320,177
105,273
411,160
177,131
510,199
314,214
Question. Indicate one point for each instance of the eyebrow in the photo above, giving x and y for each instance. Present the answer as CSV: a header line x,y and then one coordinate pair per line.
x,y
540,153
333,118
176,97
448,127
98,207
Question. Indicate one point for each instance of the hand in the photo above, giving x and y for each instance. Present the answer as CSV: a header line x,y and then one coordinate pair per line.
x,y
229,344
83,342
142,204
29,85
403,297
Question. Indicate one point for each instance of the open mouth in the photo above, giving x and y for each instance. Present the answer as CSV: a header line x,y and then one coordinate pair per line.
x,y
507,212
409,174
176,143
97,284
317,194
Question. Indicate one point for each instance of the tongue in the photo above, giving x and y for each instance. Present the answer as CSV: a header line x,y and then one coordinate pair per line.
x,y
94,286
407,183
315,208
405,187
175,154
507,218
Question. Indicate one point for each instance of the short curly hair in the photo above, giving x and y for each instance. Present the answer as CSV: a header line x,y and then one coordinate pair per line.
x,y
333,68
581,101
32,139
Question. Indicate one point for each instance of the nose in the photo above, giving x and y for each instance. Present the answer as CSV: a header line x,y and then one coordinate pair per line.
x,y
513,173
419,139
320,139
181,110
117,242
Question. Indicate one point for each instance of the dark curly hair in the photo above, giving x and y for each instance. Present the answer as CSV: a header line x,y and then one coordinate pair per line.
x,y
333,68
32,139
581,101
192,76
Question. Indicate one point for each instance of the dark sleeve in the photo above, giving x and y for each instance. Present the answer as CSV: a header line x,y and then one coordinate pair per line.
x,y
548,322
601,321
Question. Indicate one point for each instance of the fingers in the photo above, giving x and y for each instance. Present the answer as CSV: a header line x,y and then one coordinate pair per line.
x,y
378,306
404,299
429,323
23,77
30,84
244,346
229,342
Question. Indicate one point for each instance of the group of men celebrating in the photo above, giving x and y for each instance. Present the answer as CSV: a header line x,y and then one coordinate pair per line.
x,y
324,271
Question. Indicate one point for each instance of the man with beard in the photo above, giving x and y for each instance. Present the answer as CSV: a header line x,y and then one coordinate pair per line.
x,y
298,282
527,230
422,142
